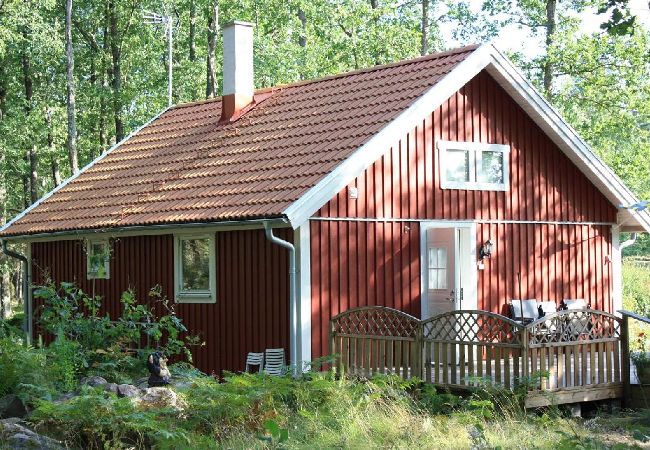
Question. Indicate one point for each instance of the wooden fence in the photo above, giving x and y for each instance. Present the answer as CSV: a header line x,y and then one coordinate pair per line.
x,y
564,357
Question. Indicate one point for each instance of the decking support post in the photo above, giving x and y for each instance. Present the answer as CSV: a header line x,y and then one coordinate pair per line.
x,y
524,355
625,357
337,358
419,345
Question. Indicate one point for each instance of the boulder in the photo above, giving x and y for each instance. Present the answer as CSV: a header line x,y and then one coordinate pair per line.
x,y
12,406
111,387
14,435
94,381
160,397
128,390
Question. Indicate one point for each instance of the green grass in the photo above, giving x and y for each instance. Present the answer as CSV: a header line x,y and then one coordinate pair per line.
x,y
319,411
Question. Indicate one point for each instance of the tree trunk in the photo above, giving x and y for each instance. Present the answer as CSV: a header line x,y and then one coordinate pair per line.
x,y
5,280
114,39
424,48
374,4
30,182
302,39
213,31
192,30
33,174
550,33
54,163
71,143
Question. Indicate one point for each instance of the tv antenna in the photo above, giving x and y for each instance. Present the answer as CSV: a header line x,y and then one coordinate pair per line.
x,y
153,18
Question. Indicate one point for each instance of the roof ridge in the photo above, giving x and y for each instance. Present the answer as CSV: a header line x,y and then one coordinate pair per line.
x,y
277,87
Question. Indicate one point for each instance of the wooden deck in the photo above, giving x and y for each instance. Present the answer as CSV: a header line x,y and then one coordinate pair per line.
x,y
566,357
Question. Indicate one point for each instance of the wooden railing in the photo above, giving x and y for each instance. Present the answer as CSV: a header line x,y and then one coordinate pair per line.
x,y
563,357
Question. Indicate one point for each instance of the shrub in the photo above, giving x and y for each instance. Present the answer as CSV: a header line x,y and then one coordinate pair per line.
x,y
111,348
96,420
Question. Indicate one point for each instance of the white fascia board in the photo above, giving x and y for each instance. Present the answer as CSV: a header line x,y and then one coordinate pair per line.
x,y
314,199
562,134
76,175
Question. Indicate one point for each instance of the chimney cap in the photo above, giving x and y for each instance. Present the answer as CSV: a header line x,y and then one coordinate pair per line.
x,y
240,23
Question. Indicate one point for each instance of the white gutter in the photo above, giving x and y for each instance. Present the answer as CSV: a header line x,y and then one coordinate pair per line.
x,y
293,307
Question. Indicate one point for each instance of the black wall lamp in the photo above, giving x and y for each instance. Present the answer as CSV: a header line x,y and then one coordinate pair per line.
x,y
486,250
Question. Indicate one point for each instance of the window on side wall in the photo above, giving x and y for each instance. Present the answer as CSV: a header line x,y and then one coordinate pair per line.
x,y
195,269
474,166
98,258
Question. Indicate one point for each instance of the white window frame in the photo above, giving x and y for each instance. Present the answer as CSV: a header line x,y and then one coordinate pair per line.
x,y
476,150
90,275
194,296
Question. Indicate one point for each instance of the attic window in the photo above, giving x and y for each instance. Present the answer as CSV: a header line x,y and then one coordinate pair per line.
x,y
98,253
195,269
474,166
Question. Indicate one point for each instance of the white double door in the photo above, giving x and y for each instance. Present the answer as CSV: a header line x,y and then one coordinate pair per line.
x,y
449,269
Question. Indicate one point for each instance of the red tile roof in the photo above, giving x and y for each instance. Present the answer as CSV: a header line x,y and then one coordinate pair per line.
x,y
185,167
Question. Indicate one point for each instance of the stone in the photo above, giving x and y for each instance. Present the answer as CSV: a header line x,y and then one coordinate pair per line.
x,y
12,406
160,397
128,390
111,387
94,381
15,435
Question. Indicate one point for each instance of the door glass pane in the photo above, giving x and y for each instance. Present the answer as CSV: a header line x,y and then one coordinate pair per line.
x,y
491,170
437,268
196,264
457,163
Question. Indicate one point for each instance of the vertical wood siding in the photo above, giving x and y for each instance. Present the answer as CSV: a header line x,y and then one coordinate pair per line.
x,y
555,261
251,312
405,181
362,263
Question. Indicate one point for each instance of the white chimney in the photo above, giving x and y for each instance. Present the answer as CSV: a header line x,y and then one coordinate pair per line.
x,y
237,68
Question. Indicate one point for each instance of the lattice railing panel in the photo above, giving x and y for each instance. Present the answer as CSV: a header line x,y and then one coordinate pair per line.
x,y
574,326
472,327
376,321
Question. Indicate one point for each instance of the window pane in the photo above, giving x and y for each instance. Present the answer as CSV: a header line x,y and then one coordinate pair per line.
x,y
491,170
97,259
457,163
437,268
196,264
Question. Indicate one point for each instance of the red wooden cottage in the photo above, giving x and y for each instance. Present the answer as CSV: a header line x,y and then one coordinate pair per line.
x,y
265,213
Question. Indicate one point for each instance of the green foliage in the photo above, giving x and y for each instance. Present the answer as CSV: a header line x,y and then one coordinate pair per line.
x,y
96,420
106,347
636,294
24,370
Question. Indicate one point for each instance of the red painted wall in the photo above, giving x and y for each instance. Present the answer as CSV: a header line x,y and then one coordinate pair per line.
x,y
251,312
555,261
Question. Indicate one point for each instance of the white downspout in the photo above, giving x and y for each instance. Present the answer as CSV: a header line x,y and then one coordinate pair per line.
x,y
293,315
629,242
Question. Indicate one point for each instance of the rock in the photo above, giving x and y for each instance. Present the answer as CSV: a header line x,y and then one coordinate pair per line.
x,y
161,397
12,406
128,390
65,397
142,383
111,387
94,381
14,435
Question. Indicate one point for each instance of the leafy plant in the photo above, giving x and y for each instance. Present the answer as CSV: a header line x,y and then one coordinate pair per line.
x,y
113,348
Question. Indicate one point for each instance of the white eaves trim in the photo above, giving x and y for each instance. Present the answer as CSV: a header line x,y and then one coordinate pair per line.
x,y
484,57
76,175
